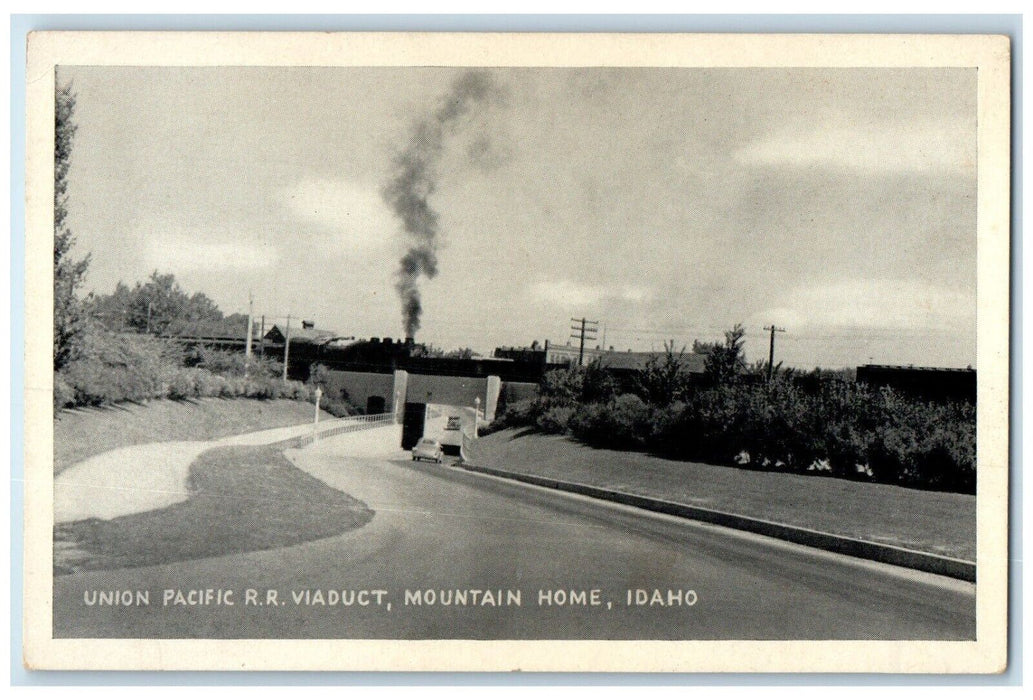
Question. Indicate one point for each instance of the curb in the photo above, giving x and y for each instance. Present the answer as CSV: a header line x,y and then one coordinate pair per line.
x,y
884,553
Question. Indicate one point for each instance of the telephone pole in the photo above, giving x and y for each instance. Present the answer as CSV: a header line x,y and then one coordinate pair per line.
x,y
585,331
287,348
250,331
771,348
261,340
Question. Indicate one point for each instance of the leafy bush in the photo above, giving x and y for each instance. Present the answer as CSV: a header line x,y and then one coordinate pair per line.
x,y
183,384
269,388
233,387
232,363
665,378
218,361
622,423
212,385
562,386
115,367
516,414
194,382
338,407
64,393
126,367
555,420
849,430
591,383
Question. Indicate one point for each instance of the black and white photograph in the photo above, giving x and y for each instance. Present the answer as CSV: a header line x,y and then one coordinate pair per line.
x,y
534,347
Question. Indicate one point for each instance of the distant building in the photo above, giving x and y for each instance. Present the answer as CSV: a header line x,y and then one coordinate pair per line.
x,y
553,356
930,383
307,331
637,361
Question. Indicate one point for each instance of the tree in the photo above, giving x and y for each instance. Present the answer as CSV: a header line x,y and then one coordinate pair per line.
x,y
598,384
161,306
725,362
562,386
665,378
112,310
70,318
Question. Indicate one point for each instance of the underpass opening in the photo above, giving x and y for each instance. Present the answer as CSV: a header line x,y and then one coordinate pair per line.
x,y
412,424
375,405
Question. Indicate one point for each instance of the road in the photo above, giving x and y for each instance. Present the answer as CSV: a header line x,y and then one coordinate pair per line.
x,y
439,528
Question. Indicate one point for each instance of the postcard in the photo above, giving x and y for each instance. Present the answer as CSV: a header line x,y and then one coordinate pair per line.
x,y
538,352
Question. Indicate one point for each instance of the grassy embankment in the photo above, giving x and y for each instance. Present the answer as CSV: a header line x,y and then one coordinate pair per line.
x,y
84,432
929,521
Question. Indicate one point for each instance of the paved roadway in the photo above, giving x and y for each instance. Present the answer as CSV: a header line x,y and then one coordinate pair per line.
x,y
438,527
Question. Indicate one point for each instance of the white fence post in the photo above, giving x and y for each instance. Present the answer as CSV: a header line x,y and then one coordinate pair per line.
x,y
315,424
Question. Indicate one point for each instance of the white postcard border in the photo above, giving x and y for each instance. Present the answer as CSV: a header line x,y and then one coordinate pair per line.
x,y
989,54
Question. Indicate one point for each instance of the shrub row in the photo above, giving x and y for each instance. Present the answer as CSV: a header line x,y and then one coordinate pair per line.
x,y
839,428
227,362
119,367
338,407
335,399
191,382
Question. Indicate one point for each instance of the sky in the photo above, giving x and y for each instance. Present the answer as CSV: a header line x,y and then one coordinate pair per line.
x,y
667,204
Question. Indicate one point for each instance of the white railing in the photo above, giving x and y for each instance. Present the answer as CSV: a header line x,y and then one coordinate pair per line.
x,y
349,424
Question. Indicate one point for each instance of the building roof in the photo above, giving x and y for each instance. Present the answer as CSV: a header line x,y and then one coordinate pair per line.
x,y
913,368
613,359
299,333
696,364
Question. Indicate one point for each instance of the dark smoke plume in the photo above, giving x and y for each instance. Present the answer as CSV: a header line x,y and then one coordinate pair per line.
x,y
415,180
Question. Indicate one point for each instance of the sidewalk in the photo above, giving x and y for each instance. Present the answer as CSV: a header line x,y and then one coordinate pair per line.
x,y
268,437
139,478
127,480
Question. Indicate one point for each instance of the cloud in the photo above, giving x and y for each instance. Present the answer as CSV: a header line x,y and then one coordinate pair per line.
x,y
874,304
353,213
634,294
568,292
922,146
183,252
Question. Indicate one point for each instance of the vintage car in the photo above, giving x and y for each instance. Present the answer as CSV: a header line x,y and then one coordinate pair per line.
x,y
428,448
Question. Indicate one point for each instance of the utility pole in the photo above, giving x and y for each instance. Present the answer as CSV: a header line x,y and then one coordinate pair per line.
x,y
286,347
250,331
771,348
585,331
